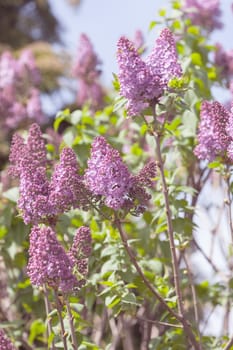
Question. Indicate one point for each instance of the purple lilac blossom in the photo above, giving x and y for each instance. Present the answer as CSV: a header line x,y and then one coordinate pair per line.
x,y
5,343
34,107
224,61
65,184
107,176
26,67
163,60
213,137
86,70
204,13
41,199
19,97
80,252
143,82
29,163
91,94
81,247
139,41
48,262
136,82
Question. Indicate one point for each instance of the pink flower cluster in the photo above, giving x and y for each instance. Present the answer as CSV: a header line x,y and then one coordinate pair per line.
x,y
224,62
49,263
19,98
204,13
215,136
87,72
41,199
143,82
107,176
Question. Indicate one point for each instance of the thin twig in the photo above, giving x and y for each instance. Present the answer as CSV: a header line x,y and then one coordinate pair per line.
x,y
229,344
168,216
160,323
229,202
71,322
205,255
193,291
47,309
170,228
58,306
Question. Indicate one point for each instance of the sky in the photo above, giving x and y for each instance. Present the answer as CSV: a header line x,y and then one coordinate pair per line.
x,y
104,21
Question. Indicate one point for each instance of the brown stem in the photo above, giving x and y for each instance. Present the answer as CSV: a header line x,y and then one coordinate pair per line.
x,y
229,345
193,291
214,267
178,317
170,228
63,333
160,323
71,322
47,309
229,201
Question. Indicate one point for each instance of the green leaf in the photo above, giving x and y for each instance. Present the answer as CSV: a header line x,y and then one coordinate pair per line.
x,y
111,301
196,59
130,298
37,329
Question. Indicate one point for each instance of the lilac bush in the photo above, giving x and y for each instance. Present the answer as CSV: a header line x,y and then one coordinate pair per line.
x,y
124,243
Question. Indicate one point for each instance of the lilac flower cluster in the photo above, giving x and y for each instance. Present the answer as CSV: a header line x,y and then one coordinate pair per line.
x,y
107,176
87,72
204,13
215,136
19,98
48,262
138,41
41,199
5,343
80,252
144,82
224,61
